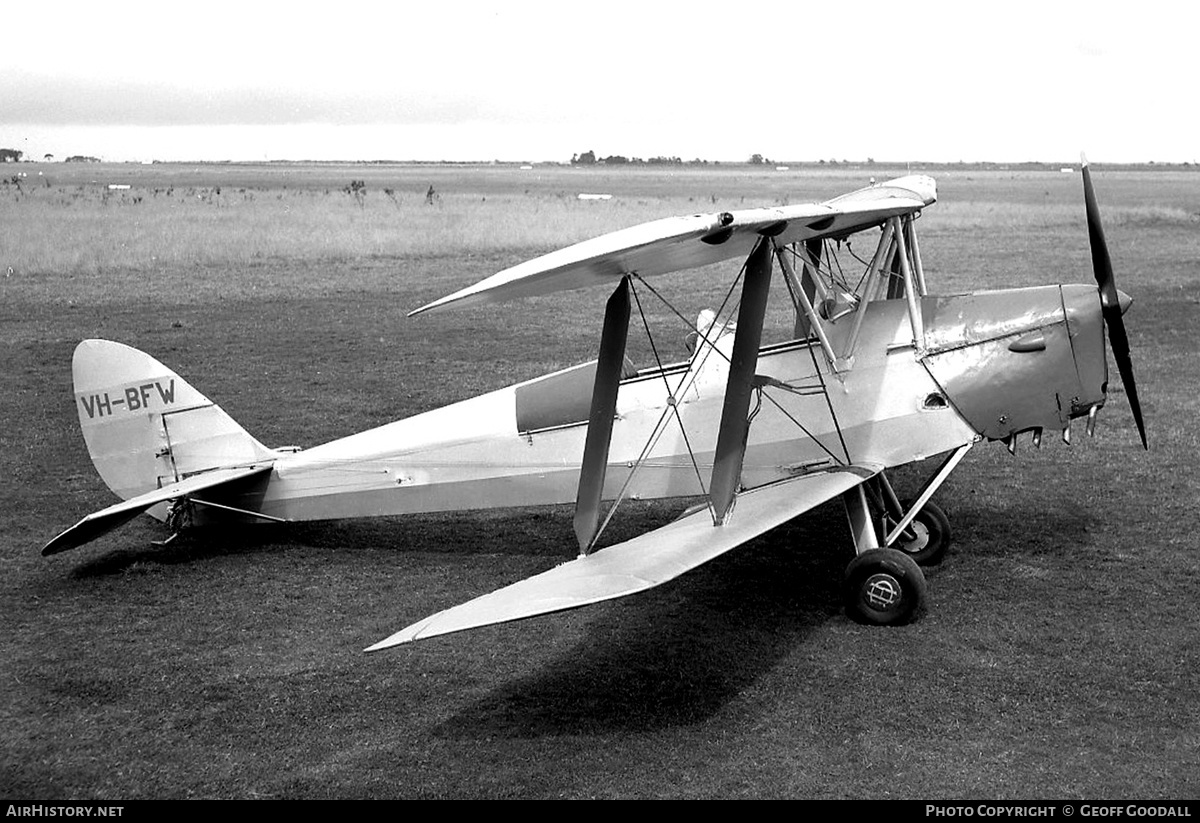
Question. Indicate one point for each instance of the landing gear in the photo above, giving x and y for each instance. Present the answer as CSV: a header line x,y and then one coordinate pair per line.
x,y
927,537
884,583
884,587
179,517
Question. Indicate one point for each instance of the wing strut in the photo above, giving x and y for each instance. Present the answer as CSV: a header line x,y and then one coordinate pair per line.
x,y
910,233
600,419
911,290
808,282
883,253
731,438
805,311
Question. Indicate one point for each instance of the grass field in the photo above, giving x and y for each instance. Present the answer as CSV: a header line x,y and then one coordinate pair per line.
x,y
1059,656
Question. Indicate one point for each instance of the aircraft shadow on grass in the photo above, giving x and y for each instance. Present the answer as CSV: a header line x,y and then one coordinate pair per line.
x,y
683,652
675,657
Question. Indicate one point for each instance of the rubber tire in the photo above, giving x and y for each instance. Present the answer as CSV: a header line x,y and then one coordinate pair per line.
x,y
884,573
934,527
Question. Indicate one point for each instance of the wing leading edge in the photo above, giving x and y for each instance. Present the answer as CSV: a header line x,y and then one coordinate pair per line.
x,y
642,563
679,243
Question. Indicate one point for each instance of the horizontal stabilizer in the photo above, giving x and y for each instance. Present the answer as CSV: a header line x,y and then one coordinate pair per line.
x,y
643,562
104,521
679,243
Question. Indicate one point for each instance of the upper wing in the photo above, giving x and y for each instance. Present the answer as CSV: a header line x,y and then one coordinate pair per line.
x,y
643,562
679,243
105,520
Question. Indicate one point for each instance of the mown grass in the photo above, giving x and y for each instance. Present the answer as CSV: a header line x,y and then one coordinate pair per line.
x,y
1059,656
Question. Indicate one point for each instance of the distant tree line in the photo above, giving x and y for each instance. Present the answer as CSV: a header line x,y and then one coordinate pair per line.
x,y
589,158
15,155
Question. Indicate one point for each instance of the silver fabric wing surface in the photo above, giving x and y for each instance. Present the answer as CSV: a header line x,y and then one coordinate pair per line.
x,y
644,562
679,243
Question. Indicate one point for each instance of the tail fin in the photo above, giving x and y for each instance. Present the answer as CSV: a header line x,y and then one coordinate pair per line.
x,y
145,427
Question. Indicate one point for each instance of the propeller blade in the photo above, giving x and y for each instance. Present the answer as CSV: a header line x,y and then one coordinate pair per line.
x,y
1101,262
1110,301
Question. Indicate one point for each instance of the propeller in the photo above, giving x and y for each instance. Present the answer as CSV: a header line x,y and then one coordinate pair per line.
x,y
1110,300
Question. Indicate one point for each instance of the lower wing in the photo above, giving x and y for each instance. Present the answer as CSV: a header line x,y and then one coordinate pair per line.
x,y
644,562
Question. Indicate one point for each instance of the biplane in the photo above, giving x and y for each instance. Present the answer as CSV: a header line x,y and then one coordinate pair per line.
x,y
875,373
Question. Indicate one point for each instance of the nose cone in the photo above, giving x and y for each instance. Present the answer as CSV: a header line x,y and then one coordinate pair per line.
x,y
1124,301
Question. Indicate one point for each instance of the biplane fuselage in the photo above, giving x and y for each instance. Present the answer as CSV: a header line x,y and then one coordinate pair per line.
x,y
522,445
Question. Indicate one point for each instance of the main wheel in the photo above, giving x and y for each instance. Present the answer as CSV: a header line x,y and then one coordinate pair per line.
x,y
884,587
931,535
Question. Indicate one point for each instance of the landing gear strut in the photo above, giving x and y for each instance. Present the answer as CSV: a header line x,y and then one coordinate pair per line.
x,y
884,583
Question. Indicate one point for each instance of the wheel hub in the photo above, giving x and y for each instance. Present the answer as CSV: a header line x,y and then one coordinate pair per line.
x,y
882,592
920,539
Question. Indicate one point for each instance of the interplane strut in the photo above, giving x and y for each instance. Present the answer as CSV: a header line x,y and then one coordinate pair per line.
x,y
731,436
600,419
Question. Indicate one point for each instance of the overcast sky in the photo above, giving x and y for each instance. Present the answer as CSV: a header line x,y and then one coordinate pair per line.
x,y
520,80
